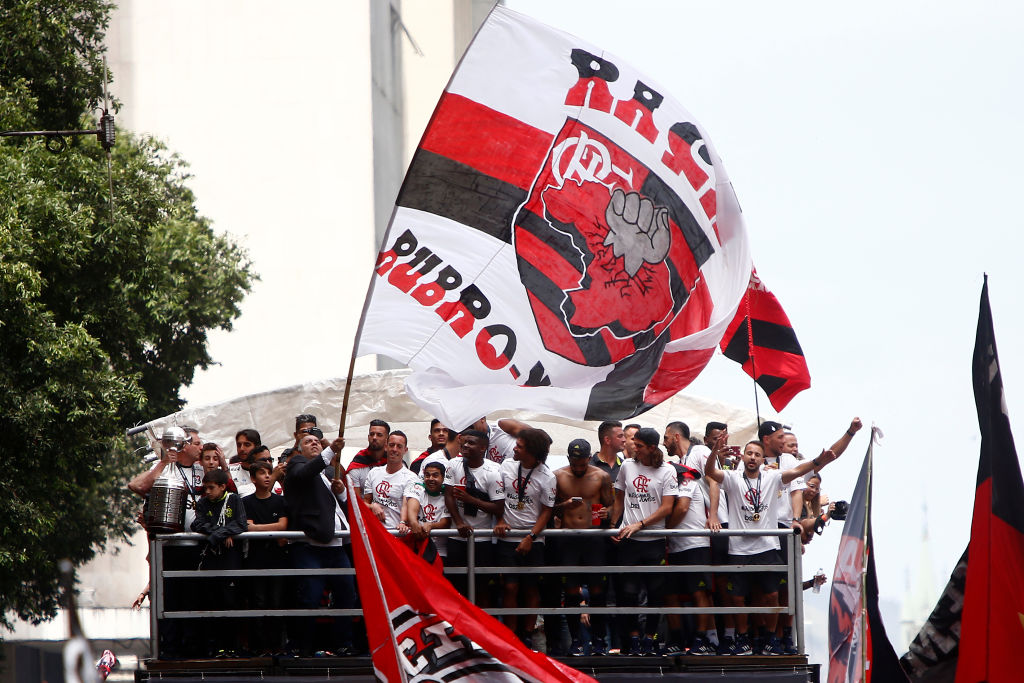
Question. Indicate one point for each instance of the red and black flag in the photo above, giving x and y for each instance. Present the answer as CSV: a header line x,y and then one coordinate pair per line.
x,y
859,650
992,626
566,238
423,629
762,340
976,630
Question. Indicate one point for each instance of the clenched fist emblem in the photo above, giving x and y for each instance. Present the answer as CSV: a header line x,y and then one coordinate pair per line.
x,y
638,230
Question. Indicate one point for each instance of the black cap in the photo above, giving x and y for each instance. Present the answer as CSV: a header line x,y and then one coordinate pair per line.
x,y
579,448
648,435
768,427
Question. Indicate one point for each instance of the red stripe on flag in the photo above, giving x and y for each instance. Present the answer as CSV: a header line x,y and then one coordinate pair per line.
x,y
675,371
992,623
460,127
538,252
696,314
556,330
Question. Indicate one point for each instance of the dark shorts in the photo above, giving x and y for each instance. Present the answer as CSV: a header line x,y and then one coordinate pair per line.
x,y
720,547
506,556
691,582
767,582
579,551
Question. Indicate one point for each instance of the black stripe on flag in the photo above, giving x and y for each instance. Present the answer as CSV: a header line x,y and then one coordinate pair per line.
x,y
438,185
662,195
621,394
766,335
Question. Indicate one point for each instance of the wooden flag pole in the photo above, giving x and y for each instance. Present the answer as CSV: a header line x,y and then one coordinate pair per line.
x,y
348,390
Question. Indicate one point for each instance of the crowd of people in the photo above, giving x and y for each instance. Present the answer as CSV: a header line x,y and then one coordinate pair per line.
x,y
494,477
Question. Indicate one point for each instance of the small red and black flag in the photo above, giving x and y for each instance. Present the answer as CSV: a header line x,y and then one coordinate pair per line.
x,y
762,340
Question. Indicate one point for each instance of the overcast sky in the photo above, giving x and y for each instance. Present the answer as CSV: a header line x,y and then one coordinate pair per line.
x,y
876,151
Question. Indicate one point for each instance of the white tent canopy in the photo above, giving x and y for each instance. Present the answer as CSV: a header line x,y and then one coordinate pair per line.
x,y
382,395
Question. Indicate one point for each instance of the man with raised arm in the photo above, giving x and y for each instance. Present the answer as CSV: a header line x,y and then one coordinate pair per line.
x,y
314,502
751,491
583,501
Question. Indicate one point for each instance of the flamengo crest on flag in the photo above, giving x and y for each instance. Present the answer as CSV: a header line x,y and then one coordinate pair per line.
x,y
859,652
566,238
425,630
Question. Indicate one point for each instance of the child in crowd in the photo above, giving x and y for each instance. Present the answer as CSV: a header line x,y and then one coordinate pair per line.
x,y
266,511
221,516
212,458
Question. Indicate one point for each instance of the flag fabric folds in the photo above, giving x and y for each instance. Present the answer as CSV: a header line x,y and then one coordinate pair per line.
x,y
852,642
932,655
762,340
566,238
421,629
992,625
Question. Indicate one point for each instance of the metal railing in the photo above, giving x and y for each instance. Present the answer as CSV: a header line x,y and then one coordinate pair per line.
x,y
791,553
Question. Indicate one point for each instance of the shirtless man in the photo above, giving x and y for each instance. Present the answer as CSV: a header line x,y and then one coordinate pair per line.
x,y
583,500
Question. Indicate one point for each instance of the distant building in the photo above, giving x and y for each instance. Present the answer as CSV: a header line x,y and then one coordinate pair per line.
x,y
298,121
921,594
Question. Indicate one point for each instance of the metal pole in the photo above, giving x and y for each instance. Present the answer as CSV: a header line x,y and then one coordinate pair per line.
x,y
156,596
796,587
471,568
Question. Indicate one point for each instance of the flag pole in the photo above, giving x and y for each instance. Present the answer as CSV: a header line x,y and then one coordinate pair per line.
x,y
357,516
864,563
750,354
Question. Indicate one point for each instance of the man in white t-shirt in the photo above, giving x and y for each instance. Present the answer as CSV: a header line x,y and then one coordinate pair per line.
x,y
529,499
384,489
690,513
645,492
751,491
425,509
474,494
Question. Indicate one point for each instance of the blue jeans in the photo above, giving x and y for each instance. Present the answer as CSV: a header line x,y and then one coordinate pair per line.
x,y
311,591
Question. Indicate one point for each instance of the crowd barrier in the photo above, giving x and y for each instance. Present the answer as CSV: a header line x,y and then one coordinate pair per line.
x,y
791,553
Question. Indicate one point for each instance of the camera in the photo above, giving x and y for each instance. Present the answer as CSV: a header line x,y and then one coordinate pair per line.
x,y
842,509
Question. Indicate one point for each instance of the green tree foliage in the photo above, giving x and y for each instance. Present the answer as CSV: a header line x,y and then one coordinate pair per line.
x,y
57,48
104,314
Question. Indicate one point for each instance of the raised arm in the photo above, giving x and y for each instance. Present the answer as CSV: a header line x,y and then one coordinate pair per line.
x,y
806,466
713,472
840,445
512,427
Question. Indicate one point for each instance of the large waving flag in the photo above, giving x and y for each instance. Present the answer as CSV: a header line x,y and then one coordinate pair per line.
x,y
975,632
762,340
421,629
859,650
992,626
566,238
